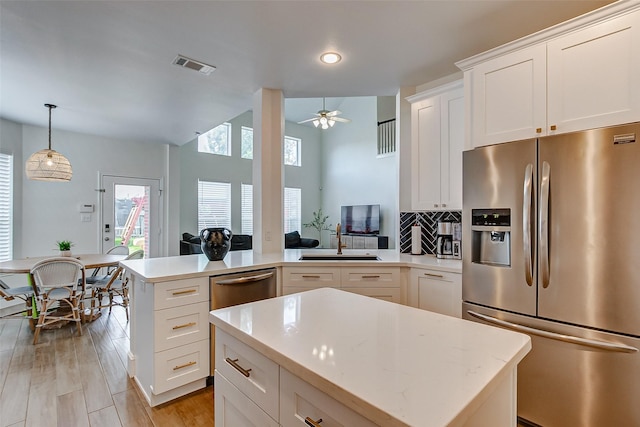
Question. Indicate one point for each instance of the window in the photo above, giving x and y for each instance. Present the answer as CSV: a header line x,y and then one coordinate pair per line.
x,y
214,204
216,141
292,151
292,210
6,207
246,144
247,208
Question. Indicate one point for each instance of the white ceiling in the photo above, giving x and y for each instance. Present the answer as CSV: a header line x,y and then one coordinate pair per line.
x,y
108,64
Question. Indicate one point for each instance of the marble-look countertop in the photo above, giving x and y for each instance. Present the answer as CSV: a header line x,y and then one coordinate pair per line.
x,y
396,365
189,266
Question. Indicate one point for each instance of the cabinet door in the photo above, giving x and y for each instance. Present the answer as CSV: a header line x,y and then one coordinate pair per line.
x,y
440,292
452,145
509,97
593,76
425,154
234,409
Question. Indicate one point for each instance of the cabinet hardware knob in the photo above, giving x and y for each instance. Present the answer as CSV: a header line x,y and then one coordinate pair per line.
x,y
186,365
188,291
308,421
553,127
435,205
538,130
444,205
234,363
439,276
186,325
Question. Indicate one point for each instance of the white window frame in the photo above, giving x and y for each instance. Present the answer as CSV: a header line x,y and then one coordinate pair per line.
x,y
6,207
203,140
246,210
243,130
292,201
297,143
214,204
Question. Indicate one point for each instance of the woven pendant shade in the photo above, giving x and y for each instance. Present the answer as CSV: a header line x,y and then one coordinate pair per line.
x,y
48,164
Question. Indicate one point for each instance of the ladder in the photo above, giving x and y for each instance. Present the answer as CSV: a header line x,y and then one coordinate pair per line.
x,y
132,219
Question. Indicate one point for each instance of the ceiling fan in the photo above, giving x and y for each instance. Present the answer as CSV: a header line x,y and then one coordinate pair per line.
x,y
325,118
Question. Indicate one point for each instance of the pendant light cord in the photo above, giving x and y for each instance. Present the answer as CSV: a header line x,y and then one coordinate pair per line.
x,y
50,107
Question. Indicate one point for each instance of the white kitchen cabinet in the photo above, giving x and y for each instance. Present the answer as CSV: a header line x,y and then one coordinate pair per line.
x,y
437,142
579,75
437,291
376,282
171,337
235,409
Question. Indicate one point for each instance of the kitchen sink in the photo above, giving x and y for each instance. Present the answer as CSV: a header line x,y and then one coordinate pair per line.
x,y
335,257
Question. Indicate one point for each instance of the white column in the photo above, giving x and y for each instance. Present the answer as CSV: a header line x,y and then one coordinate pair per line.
x,y
268,171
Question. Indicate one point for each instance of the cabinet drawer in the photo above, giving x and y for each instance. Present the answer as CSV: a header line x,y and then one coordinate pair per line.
x,y
311,277
234,409
259,382
181,292
368,277
299,400
386,294
179,366
182,325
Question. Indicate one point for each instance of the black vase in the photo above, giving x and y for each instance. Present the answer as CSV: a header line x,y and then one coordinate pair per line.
x,y
216,242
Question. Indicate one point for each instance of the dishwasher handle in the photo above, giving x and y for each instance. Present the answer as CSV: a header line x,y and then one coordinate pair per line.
x,y
244,279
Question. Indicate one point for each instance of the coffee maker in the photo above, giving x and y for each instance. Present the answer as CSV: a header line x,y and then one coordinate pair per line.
x,y
444,240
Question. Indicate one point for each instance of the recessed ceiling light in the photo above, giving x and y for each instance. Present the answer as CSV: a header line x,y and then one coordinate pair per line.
x,y
330,57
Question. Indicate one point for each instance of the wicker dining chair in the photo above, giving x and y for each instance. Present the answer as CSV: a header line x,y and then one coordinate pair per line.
x,y
58,292
116,250
25,293
114,285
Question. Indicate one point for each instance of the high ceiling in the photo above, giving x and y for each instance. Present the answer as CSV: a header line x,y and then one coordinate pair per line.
x,y
108,64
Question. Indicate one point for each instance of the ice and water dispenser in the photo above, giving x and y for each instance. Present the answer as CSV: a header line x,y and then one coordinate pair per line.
x,y
491,237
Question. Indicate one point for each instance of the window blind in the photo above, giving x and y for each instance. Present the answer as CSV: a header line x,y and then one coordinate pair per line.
x,y
214,204
246,194
292,210
6,207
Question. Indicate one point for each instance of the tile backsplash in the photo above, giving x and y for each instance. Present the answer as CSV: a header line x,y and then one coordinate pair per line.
x,y
429,223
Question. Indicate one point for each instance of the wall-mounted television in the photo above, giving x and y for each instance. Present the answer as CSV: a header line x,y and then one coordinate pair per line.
x,y
360,219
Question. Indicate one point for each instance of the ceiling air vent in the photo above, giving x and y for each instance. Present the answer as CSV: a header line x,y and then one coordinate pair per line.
x,y
192,64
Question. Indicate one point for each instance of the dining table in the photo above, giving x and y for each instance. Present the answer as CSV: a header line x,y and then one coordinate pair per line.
x,y
90,261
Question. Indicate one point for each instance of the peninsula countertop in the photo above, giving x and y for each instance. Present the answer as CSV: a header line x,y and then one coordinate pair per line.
x,y
396,365
189,266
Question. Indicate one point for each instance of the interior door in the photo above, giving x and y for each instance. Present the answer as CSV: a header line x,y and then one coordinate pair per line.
x,y
131,214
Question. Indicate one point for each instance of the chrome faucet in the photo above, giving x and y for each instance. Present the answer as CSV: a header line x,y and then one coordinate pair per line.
x,y
339,234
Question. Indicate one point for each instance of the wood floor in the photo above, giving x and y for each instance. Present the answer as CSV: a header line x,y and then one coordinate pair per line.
x,y
71,380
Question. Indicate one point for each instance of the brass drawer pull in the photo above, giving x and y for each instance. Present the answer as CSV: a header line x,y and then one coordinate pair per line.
x,y
186,365
234,363
188,291
308,276
308,421
186,325
554,127
439,276
375,276
538,130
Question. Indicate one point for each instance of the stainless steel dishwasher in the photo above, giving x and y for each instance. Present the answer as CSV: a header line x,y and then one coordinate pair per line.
x,y
240,288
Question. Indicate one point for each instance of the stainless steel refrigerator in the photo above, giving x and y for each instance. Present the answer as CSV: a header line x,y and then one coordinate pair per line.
x,y
551,247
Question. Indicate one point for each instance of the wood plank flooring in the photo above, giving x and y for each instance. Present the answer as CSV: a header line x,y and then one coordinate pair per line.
x,y
71,380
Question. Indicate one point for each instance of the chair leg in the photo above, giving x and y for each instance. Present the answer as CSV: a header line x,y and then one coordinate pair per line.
x,y
125,302
76,315
43,312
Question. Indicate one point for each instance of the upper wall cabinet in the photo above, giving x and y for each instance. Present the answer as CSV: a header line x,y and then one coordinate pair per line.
x,y
578,75
437,141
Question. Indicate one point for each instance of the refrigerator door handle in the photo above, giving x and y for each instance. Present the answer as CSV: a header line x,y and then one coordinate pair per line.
x,y
603,345
526,224
543,237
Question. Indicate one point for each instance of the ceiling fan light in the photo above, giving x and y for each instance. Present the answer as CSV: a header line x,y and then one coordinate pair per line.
x,y
323,121
325,126
316,123
331,122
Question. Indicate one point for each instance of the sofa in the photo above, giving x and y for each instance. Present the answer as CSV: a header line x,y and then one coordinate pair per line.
x,y
190,244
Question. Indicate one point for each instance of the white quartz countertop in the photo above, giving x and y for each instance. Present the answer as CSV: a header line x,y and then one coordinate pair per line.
x,y
396,365
189,266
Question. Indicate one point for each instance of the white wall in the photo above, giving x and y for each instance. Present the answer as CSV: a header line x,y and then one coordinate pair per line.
x,y
235,170
50,209
353,174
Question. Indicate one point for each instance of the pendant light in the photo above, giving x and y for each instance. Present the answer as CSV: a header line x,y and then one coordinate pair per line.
x,y
48,164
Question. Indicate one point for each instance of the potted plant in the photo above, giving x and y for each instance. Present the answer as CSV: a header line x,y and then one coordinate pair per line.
x,y
65,247
319,222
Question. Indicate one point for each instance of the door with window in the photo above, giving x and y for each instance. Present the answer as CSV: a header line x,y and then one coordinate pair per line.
x,y
131,214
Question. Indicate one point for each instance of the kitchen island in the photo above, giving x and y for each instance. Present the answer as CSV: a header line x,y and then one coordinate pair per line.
x,y
312,355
